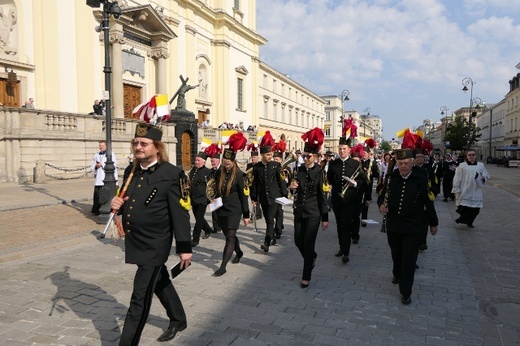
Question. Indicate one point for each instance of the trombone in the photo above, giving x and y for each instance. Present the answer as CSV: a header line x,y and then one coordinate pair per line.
x,y
352,177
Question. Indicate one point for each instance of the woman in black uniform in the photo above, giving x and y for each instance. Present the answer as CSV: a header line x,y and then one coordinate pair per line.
x,y
310,205
230,187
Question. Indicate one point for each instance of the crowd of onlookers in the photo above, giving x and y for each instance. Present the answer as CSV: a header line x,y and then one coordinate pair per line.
x,y
230,126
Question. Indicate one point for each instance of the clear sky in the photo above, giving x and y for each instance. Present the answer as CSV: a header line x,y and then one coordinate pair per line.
x,y
403,59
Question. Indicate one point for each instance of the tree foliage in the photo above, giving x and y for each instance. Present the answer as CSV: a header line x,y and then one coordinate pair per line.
x,y
385,146
461,134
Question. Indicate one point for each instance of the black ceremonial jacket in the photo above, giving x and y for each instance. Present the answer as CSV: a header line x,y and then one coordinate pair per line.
x,y
236,202
310,199
267,184
408,203
198,178
339,168
153,217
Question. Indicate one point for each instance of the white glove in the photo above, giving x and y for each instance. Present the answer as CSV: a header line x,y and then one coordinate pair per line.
x,y
352,182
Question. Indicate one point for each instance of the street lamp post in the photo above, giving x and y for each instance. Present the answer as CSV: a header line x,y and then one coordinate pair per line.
x,y
444,113
468,81
109,183
344,98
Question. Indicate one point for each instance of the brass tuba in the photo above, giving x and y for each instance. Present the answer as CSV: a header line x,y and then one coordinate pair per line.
x,y
285,173
211,189
185,191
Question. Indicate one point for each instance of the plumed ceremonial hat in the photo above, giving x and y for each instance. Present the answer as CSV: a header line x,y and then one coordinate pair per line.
x,y
145,130
348,132
266,143
237,142
313,140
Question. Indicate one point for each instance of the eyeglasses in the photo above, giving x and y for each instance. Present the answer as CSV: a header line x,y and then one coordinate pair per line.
x,y
142,144
306,156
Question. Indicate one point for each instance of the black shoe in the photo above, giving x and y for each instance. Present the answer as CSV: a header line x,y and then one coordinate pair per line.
x,y
238,257
423,247
471,225
452,198
304,285
194,243
278,235
339,253
363,223
395,280
265,247
171,332
445,200
314,262
206,235
406,300
355,241
215,230
457,221
273,242
345,259
220,271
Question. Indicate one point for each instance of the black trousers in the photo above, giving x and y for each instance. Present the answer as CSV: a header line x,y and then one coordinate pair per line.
x,y
278,227
467,214
404,249
270,211
149,280
347,221
199,210
305,233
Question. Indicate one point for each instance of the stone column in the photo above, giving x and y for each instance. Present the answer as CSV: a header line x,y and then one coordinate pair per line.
x,y
160,53
117,40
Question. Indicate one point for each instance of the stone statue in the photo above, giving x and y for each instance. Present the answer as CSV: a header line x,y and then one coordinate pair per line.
x,y
181,93
7,23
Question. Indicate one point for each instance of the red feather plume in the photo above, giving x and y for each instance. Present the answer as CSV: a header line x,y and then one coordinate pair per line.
x,y
409,140
237,142
348,123
252,146
357,150
213,149
280,146
267,140
314,137
426,145
371,143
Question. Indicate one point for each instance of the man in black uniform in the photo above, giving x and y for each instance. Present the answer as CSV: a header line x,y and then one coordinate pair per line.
x,y
427,171
254,160
371,169
215,166
198,177
346,177
152,218
404,201
267,186
278,227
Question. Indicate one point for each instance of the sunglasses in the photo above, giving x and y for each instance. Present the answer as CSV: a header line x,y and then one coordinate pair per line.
x,y
306,156
142,144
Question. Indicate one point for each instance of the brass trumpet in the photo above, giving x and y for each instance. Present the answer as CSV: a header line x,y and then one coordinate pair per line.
x,y
352,177
185,191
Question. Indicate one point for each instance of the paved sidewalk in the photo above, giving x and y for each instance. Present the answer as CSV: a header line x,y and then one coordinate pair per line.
x,y
466,290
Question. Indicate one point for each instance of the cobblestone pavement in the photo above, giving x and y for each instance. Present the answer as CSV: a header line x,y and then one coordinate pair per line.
x,y
63,286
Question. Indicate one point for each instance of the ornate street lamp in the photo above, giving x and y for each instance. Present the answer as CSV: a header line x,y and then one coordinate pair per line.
x,y
468,81
344,98
444,113
109,183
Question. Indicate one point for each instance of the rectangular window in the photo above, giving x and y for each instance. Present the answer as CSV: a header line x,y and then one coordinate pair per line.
x,y
240,93
327,132
327,116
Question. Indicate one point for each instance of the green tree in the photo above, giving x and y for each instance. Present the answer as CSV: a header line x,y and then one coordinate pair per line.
x,y
461,134
385,146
